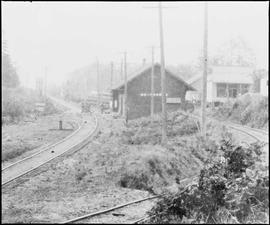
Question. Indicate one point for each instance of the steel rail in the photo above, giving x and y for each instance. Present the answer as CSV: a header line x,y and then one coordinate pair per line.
x,y
246,132
152,197
238,128
110,209
43,149
250,128
80,145
230,126
124,205
148,198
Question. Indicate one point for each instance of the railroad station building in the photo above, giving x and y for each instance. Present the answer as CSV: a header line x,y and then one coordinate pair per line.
x,y
139,92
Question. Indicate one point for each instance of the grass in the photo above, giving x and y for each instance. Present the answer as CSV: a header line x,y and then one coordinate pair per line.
x,y
12,152
25,137
142,131
153,167
110,171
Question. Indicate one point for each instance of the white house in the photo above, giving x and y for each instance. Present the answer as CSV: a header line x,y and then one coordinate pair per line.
x,y
223,83
264,86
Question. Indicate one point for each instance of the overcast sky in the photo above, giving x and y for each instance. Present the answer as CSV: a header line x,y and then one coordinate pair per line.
x,y
67,35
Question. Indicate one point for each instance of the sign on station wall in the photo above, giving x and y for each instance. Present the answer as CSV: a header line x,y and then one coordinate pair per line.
x,y
174,100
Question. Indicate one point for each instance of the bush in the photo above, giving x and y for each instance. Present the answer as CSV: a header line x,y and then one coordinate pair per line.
x,y
141,131
226,191
12,110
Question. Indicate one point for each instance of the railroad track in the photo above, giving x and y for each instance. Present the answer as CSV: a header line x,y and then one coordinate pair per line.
x,y
42,149
255,134
72,142
121,206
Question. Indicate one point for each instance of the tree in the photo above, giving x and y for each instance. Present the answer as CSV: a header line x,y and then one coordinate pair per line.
x,y
234,52
9,74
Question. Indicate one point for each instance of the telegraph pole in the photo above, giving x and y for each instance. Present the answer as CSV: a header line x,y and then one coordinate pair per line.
x,y
152,85
125,91
204,90
45,81
111,75
163,79
163,75
98,85
121,70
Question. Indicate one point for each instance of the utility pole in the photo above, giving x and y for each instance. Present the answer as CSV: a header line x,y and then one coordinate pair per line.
x,y
204,90
163,75
121,70
98,85
152,85
45,81
125,91
111,75
163,79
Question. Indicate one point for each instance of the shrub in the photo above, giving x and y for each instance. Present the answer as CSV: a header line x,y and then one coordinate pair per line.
x,y
12,109
141,131
226,191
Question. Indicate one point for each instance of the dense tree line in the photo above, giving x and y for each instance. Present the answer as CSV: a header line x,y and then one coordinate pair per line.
x,y
10,77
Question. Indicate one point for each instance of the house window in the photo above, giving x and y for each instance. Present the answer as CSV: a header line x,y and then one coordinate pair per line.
x,y
233,90
221,90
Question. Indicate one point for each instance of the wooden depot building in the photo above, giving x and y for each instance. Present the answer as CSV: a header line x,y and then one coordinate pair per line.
x,y
139,92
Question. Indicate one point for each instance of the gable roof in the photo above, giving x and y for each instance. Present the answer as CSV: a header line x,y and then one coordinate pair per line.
x,y
141,71
226,74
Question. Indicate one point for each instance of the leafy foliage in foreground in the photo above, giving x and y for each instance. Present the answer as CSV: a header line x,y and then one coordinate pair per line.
x,y
229,190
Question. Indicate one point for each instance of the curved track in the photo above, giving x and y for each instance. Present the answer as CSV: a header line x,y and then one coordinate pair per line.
x,y
74,141
42,149
255,134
